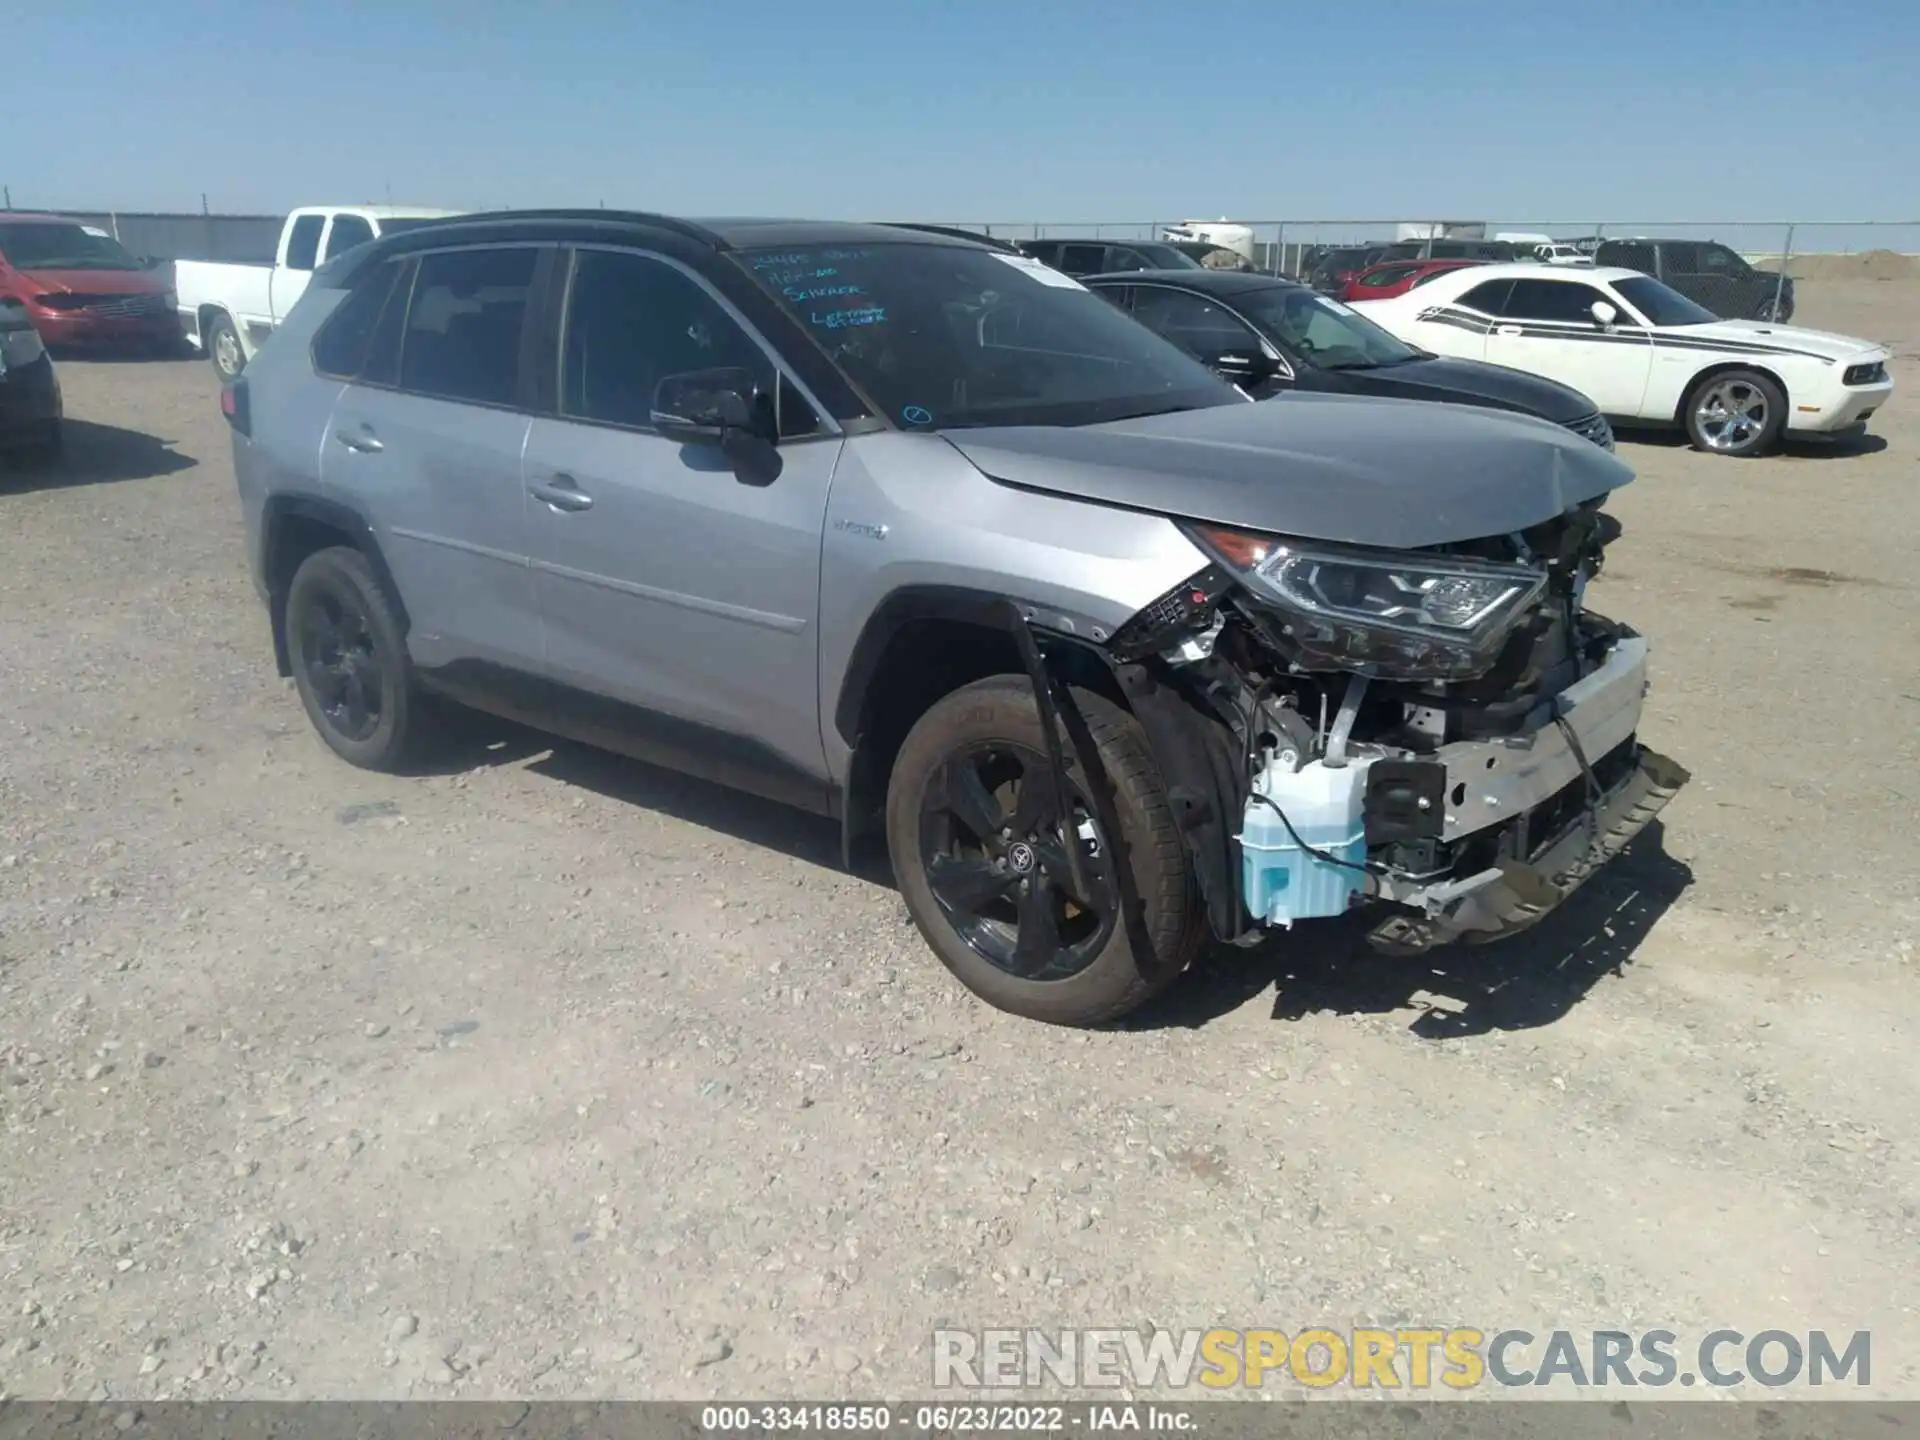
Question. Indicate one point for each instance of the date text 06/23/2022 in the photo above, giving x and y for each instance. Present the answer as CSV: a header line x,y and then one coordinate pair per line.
x,y
942,1419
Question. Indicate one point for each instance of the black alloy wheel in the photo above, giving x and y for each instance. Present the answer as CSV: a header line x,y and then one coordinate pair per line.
x,y
349,660
336,644
987,867
1001,866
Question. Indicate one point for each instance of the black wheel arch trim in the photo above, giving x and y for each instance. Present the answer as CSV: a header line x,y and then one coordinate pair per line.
x,y
1195,757
278,512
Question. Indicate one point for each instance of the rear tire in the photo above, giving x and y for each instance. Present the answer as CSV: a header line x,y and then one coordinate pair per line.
x,y
1736,413
349,661
223,347
1084,971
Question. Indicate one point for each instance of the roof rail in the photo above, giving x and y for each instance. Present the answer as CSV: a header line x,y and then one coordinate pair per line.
x,y
581,213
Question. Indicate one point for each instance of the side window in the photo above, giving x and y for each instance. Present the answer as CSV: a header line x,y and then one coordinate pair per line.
x,y
1682,257
1719,260
1197,326
1120,257
1045,251
347,232
1430,275
1489,298
382,365
464,326
1118,296
340,349
1629,256
303,242
1082,259
1552,300
633,320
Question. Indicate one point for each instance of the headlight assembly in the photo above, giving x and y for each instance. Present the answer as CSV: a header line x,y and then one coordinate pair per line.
x,y
1394,614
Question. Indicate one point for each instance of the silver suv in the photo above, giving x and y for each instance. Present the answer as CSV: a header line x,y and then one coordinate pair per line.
x,y
922,535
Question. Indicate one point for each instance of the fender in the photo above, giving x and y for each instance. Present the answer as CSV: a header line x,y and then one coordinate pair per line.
x,y
284,514
983,609
1195,761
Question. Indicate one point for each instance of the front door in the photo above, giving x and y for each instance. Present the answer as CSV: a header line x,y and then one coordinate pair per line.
x,y
427,438
1213,335
1546,327
681,605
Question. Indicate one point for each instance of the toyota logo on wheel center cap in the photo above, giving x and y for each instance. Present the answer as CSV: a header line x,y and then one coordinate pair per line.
x,y
1020,857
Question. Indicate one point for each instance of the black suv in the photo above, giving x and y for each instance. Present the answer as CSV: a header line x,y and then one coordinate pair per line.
x,y
1708,273
1104,257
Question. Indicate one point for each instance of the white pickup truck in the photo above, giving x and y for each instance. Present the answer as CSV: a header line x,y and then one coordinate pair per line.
x,y
229,308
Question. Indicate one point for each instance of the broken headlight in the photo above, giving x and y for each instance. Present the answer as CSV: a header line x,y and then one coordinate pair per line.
x,y
1391,613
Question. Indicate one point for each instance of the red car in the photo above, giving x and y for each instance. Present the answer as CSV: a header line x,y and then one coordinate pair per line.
x,y
81,289
1396,277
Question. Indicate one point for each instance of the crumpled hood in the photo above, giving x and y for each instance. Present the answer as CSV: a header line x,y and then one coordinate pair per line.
x,y
1822,343
1400,474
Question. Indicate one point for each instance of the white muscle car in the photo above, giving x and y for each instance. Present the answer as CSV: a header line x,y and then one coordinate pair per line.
x,y
1645,353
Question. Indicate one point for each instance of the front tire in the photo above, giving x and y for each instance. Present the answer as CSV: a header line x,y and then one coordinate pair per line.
x,y
222,340
983,866
1736,413
350,660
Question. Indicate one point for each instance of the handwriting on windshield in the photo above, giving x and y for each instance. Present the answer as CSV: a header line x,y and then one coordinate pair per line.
x,y
804,278
842,319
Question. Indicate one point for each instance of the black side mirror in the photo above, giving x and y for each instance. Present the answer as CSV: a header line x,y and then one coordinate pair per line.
x,y
1243,367
723,407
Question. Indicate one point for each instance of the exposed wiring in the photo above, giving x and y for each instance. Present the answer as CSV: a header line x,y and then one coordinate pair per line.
x,y
1365,867
1586,771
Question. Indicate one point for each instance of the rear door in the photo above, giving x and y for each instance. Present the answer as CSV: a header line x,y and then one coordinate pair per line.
x,y
427,438
1546,327
688,599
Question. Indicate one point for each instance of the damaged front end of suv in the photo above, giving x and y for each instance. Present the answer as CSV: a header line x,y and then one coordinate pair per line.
x,y
1445,734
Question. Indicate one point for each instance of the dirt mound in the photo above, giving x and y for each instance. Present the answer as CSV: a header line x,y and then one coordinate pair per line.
x,y
1867,265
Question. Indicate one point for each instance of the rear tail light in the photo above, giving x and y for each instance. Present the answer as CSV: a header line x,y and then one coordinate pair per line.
x,y
233,405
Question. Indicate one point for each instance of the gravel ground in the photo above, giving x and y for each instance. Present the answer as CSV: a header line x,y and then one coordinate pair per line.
x,y
552,1075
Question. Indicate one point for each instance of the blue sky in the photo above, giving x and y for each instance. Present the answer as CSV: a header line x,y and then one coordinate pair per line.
x,y
976,110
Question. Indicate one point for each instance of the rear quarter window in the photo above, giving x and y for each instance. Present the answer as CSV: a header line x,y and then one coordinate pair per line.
x,y
341,348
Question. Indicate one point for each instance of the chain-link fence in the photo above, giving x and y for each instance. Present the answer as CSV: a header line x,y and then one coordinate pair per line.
x,y
1734,268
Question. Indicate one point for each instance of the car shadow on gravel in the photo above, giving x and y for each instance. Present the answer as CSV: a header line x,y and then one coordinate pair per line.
x,y
95,455
473,740
1522,983
1841,447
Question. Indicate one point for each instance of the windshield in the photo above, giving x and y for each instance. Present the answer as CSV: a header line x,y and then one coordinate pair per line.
x,y
944,337
1323,331
1661,305
61,245
1167,257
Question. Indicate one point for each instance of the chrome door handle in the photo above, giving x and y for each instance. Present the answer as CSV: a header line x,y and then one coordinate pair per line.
x,y
359,444
1506,329
562,494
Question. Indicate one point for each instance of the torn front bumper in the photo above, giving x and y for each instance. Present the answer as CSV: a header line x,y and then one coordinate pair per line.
x,y
1519,786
